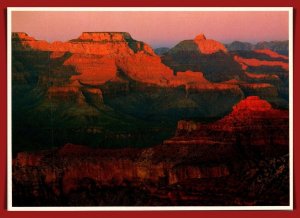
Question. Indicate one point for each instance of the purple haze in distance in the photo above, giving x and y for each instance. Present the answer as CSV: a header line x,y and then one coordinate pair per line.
x,y
156,28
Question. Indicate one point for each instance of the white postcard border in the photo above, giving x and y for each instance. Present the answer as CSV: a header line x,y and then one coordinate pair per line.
x,y
10,207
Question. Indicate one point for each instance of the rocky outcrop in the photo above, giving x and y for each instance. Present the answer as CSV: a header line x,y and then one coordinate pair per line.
x,y
255,63
97,43
262,76
208,46
254,104
267,74
195,81
203,55
271,53
253,122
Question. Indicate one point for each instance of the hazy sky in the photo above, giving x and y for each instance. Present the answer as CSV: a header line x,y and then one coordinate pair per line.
x,y
156,28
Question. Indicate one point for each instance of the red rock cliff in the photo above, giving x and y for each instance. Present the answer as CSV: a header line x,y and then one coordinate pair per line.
x,y
208,46
97,57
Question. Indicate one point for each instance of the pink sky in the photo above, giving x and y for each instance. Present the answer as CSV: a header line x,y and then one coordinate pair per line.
x,y
155,28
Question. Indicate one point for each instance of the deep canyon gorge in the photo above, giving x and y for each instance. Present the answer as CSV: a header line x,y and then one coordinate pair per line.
x,y
103,120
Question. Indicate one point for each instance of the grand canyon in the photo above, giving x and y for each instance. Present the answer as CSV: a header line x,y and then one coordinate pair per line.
x,y
105,120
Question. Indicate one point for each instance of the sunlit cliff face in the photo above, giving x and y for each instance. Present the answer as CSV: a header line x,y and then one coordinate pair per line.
x,y
209,46
245,62
97,57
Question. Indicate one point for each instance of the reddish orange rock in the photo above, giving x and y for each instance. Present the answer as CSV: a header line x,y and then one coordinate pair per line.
x,y
93,69
22,36
104,36
188,77
196,81
261,76
256,63
252,103
209,46
98,56
271,53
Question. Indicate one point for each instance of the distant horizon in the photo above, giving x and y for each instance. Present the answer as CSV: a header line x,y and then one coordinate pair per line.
x,y
156,28
163,46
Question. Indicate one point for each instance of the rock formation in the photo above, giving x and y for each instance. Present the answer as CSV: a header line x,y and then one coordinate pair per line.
x,y
280,47
111,106
198,152
271,53
208,46
255,63
204,55
252,121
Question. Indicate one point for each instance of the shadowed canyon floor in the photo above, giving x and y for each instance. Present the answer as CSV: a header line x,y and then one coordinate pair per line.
x,y
102,120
